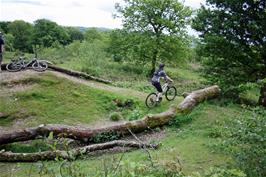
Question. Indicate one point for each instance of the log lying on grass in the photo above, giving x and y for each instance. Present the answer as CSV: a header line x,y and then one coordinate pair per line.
x,y
69,155
87,134
77,74
70,72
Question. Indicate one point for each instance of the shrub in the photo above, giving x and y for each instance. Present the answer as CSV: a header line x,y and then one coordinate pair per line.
x,y
115,116
219,172
136,114
246,137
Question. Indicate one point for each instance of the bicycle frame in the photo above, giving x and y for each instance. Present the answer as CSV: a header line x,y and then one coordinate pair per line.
x,y
164,87
24,63
155,98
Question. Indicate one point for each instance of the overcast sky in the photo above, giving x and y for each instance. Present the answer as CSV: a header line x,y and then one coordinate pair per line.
x,y
86,13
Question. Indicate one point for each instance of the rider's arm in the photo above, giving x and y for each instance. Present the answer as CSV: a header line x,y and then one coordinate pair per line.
x,y
166,78
2,43
169,79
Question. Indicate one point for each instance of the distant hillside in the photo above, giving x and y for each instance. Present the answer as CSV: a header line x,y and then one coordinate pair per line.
x,y
97,28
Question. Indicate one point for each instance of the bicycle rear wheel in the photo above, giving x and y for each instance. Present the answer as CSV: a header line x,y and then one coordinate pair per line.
x,y
151,100
170,93
14,66
39,66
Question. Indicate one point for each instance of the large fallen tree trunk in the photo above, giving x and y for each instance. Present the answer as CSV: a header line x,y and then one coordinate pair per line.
x,y
70,72
87,134
71,154
77,74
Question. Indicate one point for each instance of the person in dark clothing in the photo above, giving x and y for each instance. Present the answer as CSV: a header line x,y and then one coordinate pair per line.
x,y
158,74
2,43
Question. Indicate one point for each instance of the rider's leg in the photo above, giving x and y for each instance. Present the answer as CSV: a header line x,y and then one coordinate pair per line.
x,y
159,96
159,89
1,58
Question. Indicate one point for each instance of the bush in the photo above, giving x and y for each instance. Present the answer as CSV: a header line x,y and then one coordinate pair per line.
x,y
115,116
246,138
136,114
218,172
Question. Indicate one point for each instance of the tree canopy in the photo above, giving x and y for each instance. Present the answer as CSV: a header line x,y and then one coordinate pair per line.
x,y
23,36
21,31
47,32
157,21
233,41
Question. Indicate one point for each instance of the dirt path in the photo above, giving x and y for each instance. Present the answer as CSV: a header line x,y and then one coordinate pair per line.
x,y
101,86
11,81
9,84
16,76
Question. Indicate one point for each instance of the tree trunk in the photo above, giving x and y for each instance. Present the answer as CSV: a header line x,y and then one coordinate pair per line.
x,y
87,134
70,72
262,99
69,155
78,74
154,59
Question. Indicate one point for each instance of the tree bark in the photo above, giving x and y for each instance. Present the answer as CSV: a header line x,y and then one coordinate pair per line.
x,y
69,155
78,74
70,72
154,58
87,134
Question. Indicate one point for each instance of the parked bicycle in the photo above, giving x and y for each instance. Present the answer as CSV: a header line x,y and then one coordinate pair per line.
x,y
169,91
19,64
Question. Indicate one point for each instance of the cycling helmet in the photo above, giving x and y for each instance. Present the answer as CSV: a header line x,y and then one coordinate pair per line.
x,y
161,65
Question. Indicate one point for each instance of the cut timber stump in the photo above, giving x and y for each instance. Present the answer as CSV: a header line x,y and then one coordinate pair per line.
x,y
87,134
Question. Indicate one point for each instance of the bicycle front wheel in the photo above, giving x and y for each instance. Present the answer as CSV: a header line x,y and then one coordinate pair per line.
x,y
40,66
151,100
170,93
13,67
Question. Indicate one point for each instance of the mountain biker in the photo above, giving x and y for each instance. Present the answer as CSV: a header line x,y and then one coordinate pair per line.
x,y
2,43
156,80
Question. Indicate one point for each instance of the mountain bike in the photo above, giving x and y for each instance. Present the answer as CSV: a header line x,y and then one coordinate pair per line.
x,y
20,63
169,91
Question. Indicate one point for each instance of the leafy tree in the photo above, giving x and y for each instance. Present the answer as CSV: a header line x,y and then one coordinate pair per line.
x,y
246,141
9,42
157,22
22,33
4,27
47,32
74,34
134,46
234,42
92,34
138,47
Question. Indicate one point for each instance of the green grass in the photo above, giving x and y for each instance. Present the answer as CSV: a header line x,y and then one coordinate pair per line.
x,y
55,100
194,139
190,141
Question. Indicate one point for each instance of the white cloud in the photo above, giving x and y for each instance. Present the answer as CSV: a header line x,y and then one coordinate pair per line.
x,y
195,4
87,13
64,12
